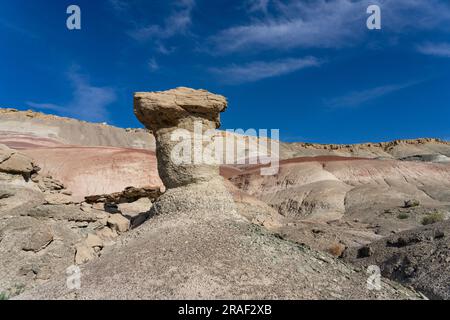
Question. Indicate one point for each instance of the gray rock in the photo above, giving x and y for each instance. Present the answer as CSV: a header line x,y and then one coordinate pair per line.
x,y
419,258
118,222
38,240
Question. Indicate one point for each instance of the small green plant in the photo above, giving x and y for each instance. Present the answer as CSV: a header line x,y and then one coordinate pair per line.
x,y
433,218
12,292
403,216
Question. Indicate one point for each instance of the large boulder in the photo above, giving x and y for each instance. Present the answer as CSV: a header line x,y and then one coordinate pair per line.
x,y
13,162
128,195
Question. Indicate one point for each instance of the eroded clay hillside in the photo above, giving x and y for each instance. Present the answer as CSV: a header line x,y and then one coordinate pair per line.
x,y
97,158
29,129
65,200
89,158
423,149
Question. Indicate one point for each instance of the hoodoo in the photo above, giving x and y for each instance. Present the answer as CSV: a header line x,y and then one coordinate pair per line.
x,y
193,184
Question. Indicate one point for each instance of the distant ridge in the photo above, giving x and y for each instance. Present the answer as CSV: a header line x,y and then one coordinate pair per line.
x,y
16,125
27,128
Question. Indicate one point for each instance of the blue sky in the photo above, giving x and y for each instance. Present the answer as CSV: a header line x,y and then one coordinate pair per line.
x,y
309,68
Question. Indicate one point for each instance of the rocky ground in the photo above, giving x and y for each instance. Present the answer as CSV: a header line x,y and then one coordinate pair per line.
x,y
214,254
340,205
293,235
417,257
43,230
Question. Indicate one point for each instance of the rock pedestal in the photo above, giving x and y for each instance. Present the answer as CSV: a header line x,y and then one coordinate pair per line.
x,y
183,121
181,114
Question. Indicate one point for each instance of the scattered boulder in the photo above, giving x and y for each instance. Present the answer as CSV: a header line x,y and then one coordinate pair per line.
x,y
84,253
135,208
130,194
13,162
47,183
118,223
38,240
365,252
106,234
58,198
93,241
61,212
403,241
138,211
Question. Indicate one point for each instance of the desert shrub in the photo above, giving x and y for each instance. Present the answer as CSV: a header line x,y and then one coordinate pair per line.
x,y
403,215
337,249
433,218
411,203
12,292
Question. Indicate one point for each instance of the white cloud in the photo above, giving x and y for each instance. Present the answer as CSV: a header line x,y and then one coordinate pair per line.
x,y
357,98
312,24
153,65
17,29
176,23
161,48
435,49
258,5
118,5
88,102
258,70
327,24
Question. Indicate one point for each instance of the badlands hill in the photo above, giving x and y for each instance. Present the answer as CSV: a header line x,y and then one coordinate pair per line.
x,y
29,129
62,147
281,236
91,158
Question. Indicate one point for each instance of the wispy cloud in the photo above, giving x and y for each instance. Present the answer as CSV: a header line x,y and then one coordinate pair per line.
x,y
153,65
258,5
358,98
435,49
176,23
17,29
88,102
258,70
312,24
118,5
326,24
163,49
